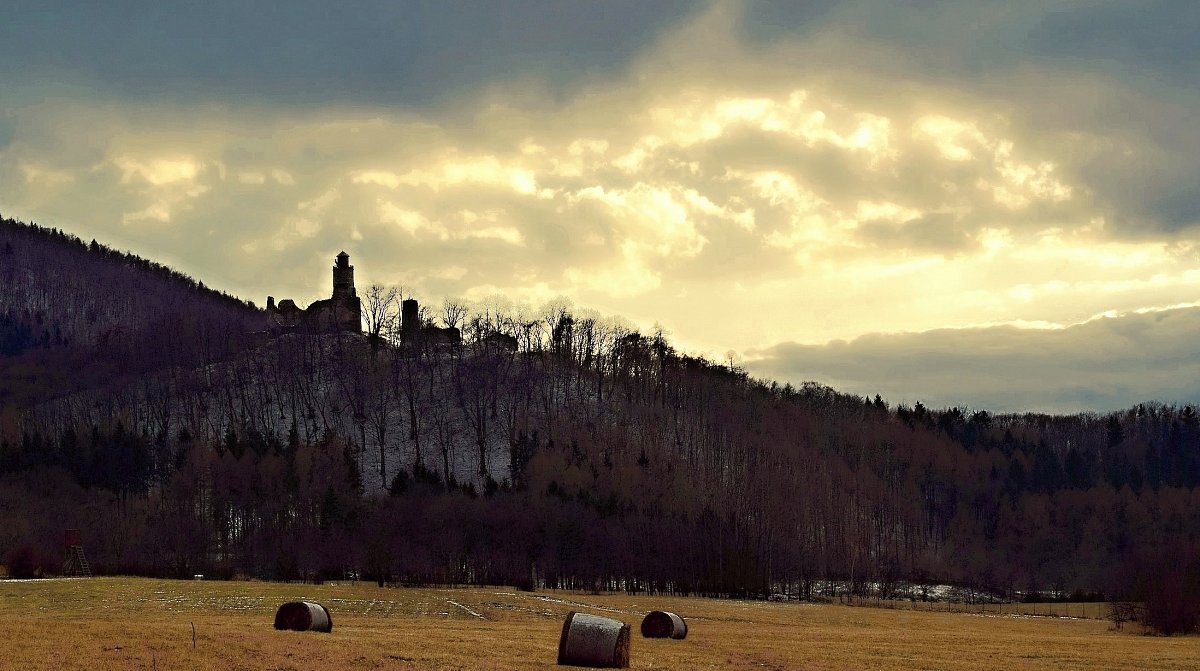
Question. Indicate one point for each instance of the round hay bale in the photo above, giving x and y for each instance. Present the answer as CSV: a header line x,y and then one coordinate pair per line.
x,y
591,640
663,624
303,616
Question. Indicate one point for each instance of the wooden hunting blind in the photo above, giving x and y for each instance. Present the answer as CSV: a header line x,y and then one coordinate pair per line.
x,y
76,563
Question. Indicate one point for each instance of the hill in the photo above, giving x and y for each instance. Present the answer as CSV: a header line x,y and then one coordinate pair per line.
x,y
543,449
95,312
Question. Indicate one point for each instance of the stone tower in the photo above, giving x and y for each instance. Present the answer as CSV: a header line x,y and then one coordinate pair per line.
x,y
343,278
410,320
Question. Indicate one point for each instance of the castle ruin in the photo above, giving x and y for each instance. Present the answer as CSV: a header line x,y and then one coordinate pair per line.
x,y
341,312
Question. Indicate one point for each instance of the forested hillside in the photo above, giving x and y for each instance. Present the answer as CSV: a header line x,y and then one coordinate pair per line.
x,y
550,448
95,312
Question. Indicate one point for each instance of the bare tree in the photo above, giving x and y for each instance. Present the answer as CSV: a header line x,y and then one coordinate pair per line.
x,y
453,313
380,306
380,403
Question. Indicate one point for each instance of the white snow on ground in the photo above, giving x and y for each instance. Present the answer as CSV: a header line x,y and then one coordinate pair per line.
x,y
833,589
455,603
579,605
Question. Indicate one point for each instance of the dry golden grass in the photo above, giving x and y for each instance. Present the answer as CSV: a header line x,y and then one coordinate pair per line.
x,y
129,623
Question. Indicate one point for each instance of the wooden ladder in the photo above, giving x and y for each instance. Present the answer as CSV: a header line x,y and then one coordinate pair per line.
x,y
77,563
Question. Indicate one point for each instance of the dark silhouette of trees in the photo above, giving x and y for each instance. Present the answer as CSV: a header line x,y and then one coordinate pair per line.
x,y
1160,590
555,448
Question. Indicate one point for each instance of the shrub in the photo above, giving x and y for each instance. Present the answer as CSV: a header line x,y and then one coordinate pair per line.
x,y
23,562
1166,583
1173,598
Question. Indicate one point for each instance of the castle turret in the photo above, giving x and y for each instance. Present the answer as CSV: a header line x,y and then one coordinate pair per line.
x,y
343,277
410,320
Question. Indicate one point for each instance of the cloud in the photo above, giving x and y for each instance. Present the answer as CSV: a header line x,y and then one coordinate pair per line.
x,y
743,173
1114,83
1105,363
311,53
7,128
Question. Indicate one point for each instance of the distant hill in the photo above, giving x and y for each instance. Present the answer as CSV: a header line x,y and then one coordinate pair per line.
x,y
95,311
186,437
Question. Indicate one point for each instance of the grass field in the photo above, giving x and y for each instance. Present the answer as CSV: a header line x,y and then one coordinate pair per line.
x,y
129,623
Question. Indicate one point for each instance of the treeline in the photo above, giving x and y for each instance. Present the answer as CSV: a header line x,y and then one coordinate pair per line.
x,y
787,489
1150,445
563,449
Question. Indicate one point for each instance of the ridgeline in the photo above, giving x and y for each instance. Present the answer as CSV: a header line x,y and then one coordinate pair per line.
x,y
185,432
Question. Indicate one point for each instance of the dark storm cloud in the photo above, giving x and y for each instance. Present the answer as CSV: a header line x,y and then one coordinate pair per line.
x,y
318,52
1153,40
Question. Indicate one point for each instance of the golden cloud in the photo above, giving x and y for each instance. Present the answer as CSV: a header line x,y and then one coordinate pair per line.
x,y
810,204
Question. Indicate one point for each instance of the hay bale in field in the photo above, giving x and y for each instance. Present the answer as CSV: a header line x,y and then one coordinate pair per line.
x,y
662,624
303,616
591,640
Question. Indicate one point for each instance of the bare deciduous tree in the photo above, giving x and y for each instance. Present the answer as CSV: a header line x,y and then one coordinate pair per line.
x,y
379,311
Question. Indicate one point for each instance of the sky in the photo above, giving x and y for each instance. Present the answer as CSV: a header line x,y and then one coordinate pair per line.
x,y
970,203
